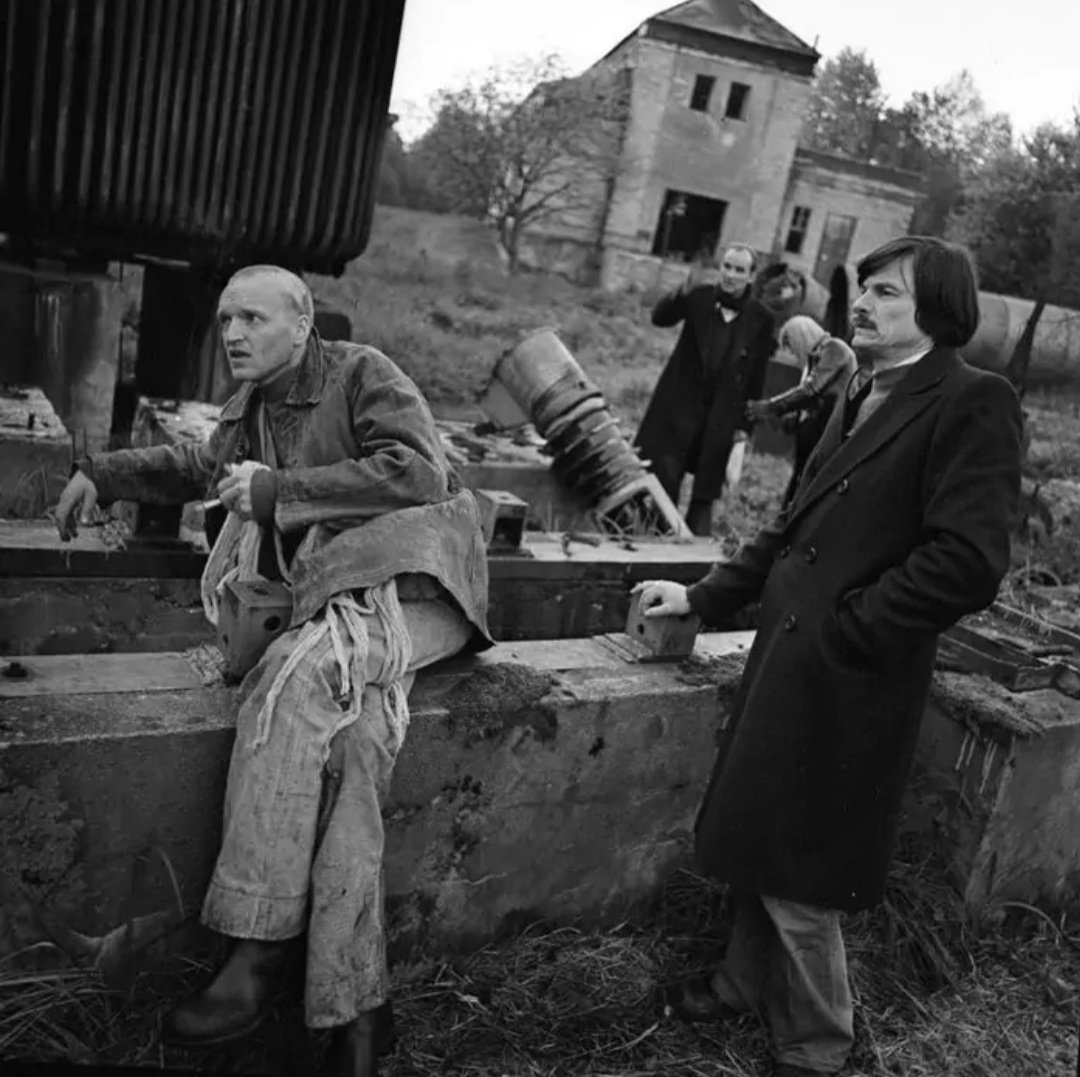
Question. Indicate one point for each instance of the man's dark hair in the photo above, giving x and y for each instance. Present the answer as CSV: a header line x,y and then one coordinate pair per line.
x,y
946,287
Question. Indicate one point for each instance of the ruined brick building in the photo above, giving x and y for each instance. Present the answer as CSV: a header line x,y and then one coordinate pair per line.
x,y
717,94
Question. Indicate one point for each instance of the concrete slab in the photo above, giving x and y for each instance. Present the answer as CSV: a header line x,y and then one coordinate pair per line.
x,y
559,748
546,778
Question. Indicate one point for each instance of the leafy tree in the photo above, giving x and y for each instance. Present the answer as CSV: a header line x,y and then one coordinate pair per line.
x,y
846,106
945,134
1021,219
523,144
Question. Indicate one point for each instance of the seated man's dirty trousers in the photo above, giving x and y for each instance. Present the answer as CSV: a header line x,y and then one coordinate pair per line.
x,y
302,844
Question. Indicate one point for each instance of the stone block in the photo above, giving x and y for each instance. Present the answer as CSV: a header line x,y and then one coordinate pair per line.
x,y
663,638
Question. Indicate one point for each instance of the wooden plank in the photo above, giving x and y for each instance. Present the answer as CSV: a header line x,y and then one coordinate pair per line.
x,y
92,674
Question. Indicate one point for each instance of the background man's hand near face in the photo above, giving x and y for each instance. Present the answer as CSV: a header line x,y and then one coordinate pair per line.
x,y
235,489
76,503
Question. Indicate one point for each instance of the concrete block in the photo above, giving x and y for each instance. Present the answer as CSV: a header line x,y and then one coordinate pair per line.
x,y
35,453
996,785
664,638
538,780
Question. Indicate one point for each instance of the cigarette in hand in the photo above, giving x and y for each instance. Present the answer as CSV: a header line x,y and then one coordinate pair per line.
x,y
213,503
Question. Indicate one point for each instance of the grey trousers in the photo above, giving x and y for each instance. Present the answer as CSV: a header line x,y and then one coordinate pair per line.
x,y
786,962
302,844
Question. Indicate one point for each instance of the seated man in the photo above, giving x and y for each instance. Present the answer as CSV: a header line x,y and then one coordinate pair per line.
x,y
333,451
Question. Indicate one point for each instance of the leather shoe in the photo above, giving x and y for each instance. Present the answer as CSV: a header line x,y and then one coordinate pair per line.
x,y
694,1000
235,1003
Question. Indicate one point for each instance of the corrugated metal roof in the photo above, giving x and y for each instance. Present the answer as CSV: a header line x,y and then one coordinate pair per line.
x,y
212,130
738,19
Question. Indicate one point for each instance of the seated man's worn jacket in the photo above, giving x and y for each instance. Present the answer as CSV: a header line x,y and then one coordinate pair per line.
x,y
362,490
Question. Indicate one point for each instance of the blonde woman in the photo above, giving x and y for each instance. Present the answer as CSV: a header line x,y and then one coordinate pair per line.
x,y
827,364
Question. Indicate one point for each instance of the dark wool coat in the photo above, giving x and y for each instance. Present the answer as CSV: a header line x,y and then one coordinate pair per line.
x,y
891,537
700,400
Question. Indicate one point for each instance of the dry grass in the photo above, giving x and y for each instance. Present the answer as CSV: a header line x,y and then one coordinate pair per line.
x,y
432,293
934,998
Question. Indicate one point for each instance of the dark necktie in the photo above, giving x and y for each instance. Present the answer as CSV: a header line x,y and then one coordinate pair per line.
x,y
858,390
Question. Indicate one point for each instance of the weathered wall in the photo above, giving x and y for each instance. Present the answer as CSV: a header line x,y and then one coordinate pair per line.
x,y
670,146
65,337
881,206
997,785
35,453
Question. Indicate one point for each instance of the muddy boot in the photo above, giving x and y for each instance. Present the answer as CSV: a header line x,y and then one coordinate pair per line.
x,y
236,1001
699,517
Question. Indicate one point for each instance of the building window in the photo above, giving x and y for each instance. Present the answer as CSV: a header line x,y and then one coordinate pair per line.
x,y
689,227
800,222
736,102
703,88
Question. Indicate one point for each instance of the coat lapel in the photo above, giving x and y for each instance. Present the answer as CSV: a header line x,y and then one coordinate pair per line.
x,y
835,458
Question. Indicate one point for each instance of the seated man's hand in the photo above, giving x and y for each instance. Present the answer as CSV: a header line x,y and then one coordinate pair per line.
x,y
77,501
662,598
235,489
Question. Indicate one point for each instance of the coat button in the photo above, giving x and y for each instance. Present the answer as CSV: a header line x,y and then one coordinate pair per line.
x,y
785,551
811,554
843,487
789,622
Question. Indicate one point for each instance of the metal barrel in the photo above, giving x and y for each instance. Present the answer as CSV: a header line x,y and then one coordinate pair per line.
x,y
543,378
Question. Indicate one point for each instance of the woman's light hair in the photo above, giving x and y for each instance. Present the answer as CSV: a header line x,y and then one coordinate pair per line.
x,y
799,335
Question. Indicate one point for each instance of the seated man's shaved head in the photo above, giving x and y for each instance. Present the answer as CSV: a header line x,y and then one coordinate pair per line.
x,y
292,287
265,315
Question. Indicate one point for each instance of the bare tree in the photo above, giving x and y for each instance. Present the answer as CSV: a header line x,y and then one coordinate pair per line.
x,y
524,144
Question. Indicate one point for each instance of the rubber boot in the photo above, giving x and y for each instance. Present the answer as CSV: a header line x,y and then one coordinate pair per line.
x,y
349,1052
235,1002
354,1052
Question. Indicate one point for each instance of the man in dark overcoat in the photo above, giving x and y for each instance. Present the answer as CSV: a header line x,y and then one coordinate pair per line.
x,y
697,410
899,527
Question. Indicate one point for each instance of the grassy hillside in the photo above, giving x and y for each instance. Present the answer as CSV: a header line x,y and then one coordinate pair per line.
x,y
432,293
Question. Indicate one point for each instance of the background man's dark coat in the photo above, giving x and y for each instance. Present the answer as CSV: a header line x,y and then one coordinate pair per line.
x,y
700,400
891,537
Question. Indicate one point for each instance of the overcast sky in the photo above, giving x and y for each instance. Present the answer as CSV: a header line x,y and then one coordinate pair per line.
x,y
1023,55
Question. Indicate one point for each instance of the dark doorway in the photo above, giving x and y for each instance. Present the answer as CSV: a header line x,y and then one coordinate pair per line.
x,y
835,246
689,226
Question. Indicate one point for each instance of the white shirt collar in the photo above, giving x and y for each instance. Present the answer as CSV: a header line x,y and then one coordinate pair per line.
x,y
909,361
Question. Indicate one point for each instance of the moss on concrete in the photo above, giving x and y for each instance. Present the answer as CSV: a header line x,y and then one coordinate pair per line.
x,y
499,697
